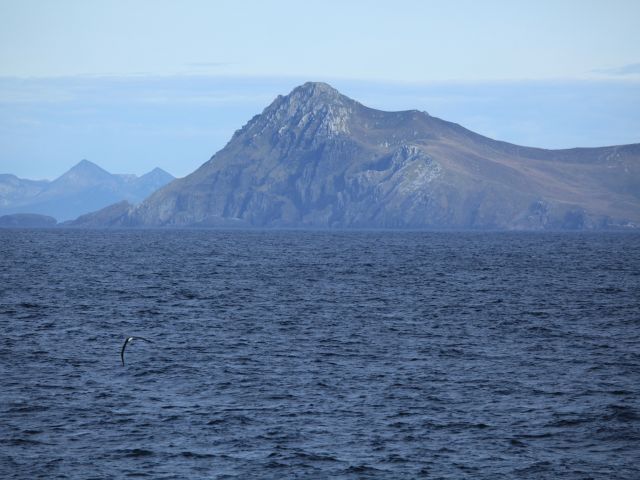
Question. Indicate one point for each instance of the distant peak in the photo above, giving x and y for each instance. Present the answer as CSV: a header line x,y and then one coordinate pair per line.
x,y
86,165
158,172
82,171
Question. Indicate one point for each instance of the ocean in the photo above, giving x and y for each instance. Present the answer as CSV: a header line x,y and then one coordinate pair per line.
x,y
313,355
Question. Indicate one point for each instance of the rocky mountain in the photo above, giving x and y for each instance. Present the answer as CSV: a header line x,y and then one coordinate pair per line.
x,y
84,188
318,159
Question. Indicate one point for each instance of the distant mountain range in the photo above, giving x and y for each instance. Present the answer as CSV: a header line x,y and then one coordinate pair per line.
x,y
84,188
318,159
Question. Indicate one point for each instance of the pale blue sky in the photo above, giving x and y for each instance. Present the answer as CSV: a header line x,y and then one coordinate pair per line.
x,y
135,84
400,40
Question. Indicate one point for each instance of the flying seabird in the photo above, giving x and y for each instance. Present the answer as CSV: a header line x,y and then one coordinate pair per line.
x,y
127,342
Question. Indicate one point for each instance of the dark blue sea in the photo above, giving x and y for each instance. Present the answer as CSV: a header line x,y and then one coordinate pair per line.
x,y
308,355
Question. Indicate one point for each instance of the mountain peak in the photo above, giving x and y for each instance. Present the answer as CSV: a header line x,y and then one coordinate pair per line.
x,y
158,174
316,94
318,159
85,164
314,109
317,89
84,171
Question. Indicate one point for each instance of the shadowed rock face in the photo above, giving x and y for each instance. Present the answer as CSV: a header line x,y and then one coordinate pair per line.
x,y
317,159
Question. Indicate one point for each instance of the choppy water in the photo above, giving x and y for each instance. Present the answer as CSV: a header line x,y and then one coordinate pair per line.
x,y
319,355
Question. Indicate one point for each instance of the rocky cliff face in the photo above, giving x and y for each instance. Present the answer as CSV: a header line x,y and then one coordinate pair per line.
x,y
317,159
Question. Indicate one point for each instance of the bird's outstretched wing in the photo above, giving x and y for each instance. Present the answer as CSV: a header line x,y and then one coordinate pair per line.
x,y
126,342
124,345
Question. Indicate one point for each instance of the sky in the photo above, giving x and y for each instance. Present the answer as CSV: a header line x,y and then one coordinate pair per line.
x,y
138,84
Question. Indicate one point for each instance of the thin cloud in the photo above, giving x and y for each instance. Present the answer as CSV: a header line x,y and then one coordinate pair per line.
x,y
630,69
210,64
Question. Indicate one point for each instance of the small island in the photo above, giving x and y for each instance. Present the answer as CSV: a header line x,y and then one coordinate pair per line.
x,y
27,220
